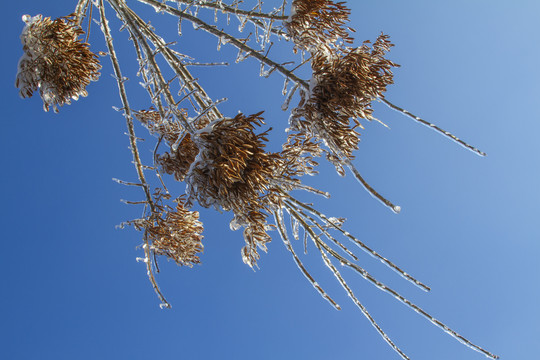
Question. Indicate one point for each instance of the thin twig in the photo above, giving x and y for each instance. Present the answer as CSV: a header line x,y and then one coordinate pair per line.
x,y
231,39
318,243
224,8
434,127
359,243
133,145
286,241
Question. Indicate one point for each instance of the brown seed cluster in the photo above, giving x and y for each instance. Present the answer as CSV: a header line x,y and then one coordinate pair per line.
x,y
345,82
177,235
348,81
232,172
318,22
55,61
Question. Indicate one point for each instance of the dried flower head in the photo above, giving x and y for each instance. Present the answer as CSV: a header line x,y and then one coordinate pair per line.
x,y
349,80
345,82
316,23
177,235
232,168
55,61
232,171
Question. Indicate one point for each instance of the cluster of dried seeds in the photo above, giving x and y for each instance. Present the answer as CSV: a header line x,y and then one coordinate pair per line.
x,y
317,23
345,81
232,171
55,61
176,234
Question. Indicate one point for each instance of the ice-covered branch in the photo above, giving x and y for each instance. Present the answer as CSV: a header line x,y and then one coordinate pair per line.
x,y
434,127
224,8
240,45
133,142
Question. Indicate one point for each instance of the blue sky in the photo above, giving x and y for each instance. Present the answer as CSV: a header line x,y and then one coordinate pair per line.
x,y
468,228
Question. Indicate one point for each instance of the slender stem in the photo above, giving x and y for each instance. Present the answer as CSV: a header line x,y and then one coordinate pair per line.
x,y
434,127
291,207
224,8
125,13
359,243
395,208
318,243
406,302
233,40
345,160
200,96
287,242
133,143
80,10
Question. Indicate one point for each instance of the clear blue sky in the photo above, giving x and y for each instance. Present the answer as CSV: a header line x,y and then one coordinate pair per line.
x,y
469,225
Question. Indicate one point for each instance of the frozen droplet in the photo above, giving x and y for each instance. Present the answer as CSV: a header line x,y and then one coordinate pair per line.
x,y
234,225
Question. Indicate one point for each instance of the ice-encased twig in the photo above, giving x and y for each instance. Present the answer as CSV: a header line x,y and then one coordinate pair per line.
x,y
200,96
434,127
317,241
135,30
230,39
359,243
278,216
362,272
80,10
395,208
133,144
325,233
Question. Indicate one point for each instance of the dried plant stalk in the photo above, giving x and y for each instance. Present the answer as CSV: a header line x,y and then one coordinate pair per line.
x,y
223,160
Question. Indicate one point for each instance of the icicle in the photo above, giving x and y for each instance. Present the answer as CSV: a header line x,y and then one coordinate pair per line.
x,y
219,43
242,56
287,101
243,21
294,227
285,85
